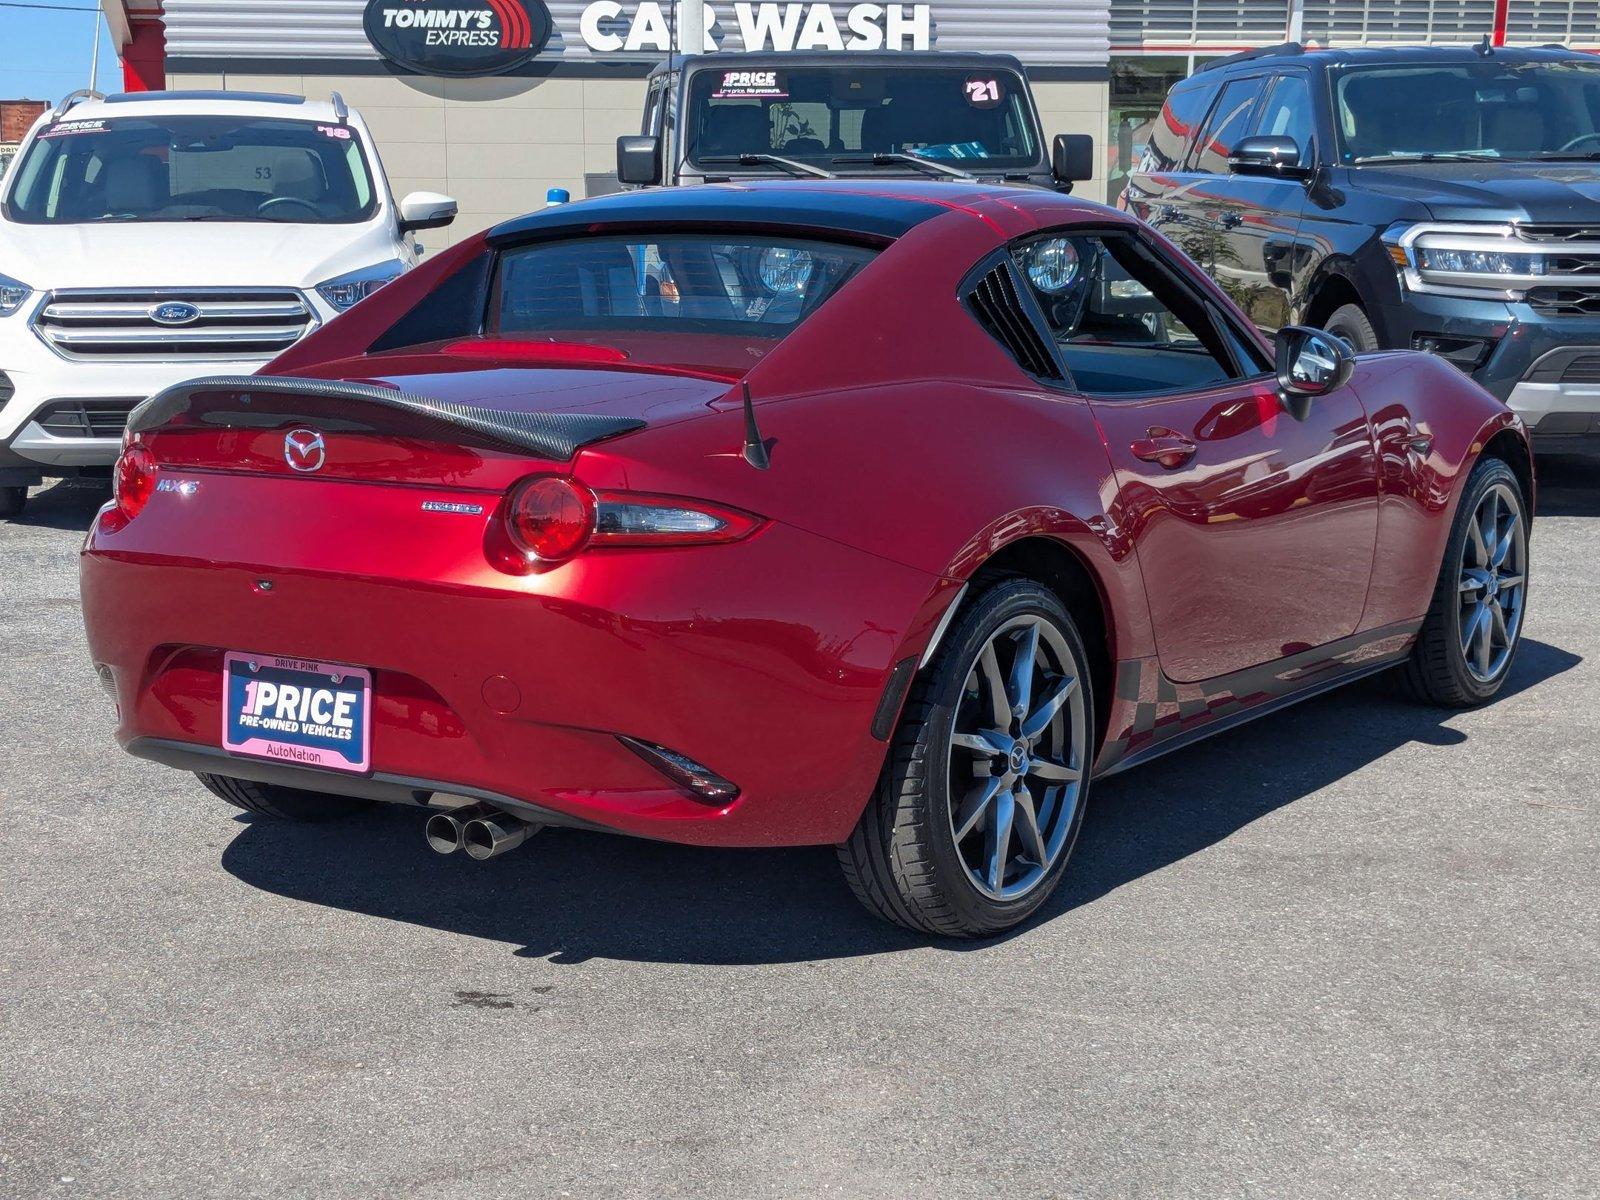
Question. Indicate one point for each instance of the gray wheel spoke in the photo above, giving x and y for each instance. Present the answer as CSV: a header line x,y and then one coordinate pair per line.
x,y
994,683
1476,544
1004,811
1469,635
1507,582
1046,712
1485,646
976,804
1498,625
1474,579
1020,691
1043,768
982,743
1502,548
1028,826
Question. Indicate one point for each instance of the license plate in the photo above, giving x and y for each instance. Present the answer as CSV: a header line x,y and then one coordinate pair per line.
x,y
300,713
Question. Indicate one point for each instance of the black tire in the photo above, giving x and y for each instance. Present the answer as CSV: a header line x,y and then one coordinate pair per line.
x,y
903,861
12,501
1438,672
287,804
1350,323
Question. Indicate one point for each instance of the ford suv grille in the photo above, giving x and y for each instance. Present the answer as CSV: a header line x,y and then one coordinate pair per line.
x,y
170,324
85,418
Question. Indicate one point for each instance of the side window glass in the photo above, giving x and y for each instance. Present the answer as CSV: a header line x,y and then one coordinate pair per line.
x,y
652,112
1174,128
1288,113
1229,121
1122,322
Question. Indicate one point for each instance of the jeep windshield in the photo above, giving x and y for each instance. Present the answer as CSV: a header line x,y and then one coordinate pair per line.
x,y
192,168
1469,112
853,117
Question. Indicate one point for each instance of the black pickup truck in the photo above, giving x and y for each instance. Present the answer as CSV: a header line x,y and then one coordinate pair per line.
x,y
1442,199
716,117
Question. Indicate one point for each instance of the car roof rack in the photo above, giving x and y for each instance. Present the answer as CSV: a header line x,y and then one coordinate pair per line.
x,y
1280,50
72,98
341,110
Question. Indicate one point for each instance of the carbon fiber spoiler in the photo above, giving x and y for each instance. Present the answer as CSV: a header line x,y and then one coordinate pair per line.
x,y
258,402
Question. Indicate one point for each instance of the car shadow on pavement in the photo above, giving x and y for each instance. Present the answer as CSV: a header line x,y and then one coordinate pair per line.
x,y
1569,486
68,504
569,896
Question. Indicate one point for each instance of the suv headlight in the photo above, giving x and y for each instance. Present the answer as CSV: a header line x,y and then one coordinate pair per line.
x,y
348,290
13,292
1472,260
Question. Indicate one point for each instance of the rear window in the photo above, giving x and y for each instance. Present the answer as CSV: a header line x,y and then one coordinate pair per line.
x,y
756,288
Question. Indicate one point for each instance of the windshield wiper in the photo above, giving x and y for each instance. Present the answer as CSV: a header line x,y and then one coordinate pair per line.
x,y
1558,156
1445,156
768,160
926,165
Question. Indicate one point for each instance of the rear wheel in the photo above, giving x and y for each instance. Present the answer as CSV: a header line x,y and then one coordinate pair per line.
x,y
271,800
12,501
1350,323
971,828
1474,625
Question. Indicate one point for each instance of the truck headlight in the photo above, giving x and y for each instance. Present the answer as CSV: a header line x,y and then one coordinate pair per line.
x,y
13,292
348,290
1466,259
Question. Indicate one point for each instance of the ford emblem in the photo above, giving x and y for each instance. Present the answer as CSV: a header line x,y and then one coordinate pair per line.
x,y
174,312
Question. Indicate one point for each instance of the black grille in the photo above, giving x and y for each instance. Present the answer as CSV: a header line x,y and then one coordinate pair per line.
x,y
7,388
1582,370
1565,302
999,310
1559,233
85,418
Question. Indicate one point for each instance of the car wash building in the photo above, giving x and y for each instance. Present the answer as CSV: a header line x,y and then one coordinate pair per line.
x,y
497,101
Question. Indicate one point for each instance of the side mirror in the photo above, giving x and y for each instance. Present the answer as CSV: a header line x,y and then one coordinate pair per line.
x,y
1312,362
426,210
639,160
1072,158
1267,155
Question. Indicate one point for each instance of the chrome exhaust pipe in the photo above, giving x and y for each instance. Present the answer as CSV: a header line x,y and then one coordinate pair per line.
x,y
494,833
445,830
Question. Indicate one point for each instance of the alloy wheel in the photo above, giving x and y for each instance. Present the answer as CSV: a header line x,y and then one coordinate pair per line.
x,y
1017,758
1494,583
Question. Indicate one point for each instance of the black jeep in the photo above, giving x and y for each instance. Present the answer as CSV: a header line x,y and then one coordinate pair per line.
x,y
1431,198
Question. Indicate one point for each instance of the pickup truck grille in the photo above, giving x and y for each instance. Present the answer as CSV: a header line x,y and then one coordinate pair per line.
x,y
1565,301
1558,233
228,325
86,418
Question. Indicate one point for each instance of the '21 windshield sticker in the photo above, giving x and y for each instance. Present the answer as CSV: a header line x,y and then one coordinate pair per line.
x,y
297,712
752,85
985,91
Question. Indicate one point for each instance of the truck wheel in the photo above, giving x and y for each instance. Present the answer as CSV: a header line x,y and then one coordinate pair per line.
x,y
12,501
1474,625
288,804
971,827
1351,324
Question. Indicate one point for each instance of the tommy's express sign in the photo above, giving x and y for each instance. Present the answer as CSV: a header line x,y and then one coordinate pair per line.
x,y
457,37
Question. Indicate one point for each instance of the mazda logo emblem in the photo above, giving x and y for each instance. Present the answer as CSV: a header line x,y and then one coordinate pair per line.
x,y
304,450
174,312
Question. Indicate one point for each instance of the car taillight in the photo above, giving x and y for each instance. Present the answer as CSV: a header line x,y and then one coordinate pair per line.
x,y
135,480
548,520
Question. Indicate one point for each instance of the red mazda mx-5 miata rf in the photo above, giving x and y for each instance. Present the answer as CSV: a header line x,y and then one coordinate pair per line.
x,y
793,513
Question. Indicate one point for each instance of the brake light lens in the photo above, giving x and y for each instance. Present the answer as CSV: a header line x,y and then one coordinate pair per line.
x,y
551,519
134,481
548,520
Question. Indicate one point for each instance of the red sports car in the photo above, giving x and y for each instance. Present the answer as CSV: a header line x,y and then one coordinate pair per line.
x,y
793,513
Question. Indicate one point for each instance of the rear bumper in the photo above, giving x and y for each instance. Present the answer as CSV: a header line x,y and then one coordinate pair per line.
x,y
765,660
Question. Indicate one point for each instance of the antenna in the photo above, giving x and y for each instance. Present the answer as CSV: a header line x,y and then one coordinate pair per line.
x,y
1485,47
755,450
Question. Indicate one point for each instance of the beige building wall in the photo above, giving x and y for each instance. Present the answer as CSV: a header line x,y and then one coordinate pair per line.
x,y
499,144
1078,108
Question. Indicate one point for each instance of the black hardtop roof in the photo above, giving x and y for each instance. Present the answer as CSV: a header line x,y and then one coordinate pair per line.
x,y
840,58
1355,56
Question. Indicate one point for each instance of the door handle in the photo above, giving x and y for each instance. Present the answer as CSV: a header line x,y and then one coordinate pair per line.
x,y
1165,447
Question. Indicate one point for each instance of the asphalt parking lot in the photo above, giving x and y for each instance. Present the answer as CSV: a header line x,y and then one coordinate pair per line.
x,y
1352,950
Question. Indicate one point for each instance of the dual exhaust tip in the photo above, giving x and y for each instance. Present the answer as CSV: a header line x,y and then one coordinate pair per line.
x,y
482,830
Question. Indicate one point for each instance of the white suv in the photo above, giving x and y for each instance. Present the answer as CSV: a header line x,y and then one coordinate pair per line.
x,y
151,238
